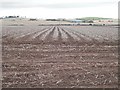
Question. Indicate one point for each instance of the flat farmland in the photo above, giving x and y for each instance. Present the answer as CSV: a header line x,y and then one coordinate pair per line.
x,y
60,56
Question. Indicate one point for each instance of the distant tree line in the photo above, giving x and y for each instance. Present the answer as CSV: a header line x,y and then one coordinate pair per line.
x,y
11,16
55,20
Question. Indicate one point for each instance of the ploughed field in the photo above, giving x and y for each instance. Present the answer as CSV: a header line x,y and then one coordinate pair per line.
x,y
60,56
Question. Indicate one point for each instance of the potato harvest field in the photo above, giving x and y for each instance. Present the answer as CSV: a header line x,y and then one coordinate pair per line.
x,y
60,56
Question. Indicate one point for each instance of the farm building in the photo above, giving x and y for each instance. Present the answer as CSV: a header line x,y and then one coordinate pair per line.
x,y
76,21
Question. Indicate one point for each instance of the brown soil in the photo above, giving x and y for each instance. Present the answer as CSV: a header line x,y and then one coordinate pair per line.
x,y
32,62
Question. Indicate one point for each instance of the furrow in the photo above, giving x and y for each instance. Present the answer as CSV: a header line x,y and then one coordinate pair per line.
x,y
56,32
69,37
49,37
59,35
44,35
63,35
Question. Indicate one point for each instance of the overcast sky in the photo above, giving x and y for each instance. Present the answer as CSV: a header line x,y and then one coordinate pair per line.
x,y
59,8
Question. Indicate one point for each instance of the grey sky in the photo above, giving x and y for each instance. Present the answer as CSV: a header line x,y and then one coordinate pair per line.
x,y
44,6
53,5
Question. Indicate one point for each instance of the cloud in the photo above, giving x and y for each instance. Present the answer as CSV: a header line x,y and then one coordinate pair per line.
x,y
28,4
77,5
59,8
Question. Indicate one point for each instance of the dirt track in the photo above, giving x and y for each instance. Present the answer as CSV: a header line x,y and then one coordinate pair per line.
x,y
57,56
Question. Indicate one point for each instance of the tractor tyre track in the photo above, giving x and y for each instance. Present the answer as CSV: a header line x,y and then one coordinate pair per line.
x,y
29,36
